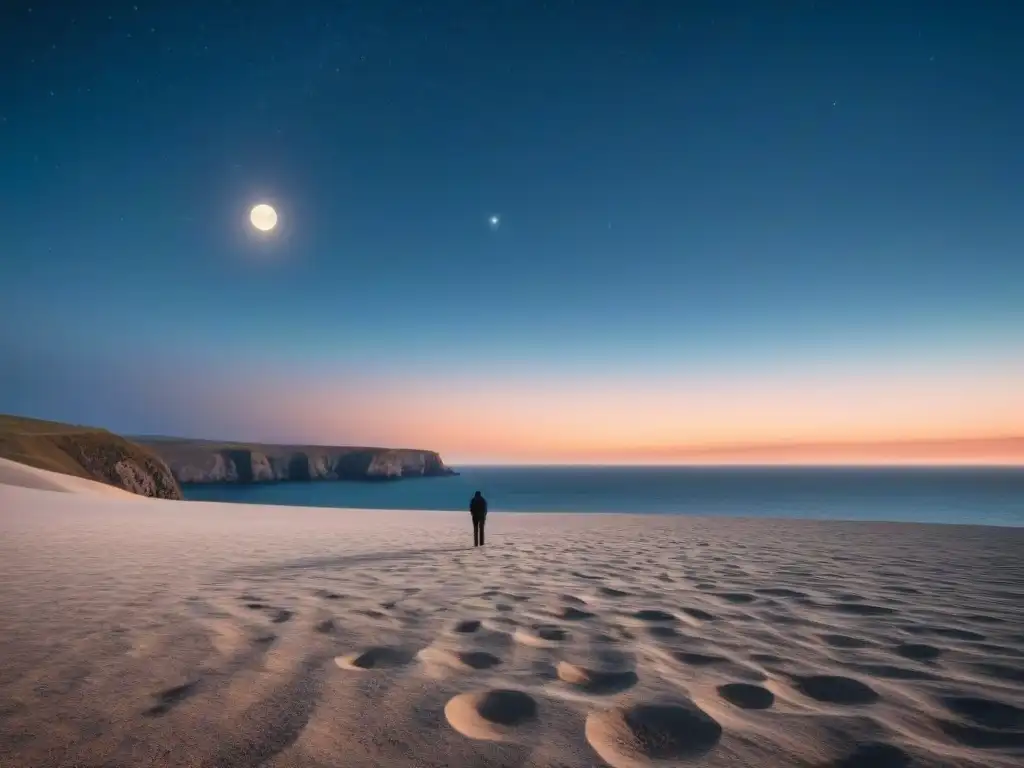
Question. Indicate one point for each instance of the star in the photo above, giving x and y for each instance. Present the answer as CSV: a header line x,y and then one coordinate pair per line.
x,y
494,221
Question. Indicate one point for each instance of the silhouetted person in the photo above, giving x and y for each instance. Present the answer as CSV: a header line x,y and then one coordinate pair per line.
x,y
478,511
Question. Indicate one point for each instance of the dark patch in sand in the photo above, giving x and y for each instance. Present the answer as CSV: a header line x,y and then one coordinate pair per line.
x,y
1004,672
697,613
167,699
833,689
698,659
325,627
737,598
918,651
876,755
746,696
892,672
845,641
989,713
651,614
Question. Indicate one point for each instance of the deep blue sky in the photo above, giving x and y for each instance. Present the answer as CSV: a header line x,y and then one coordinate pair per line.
x,y
721,189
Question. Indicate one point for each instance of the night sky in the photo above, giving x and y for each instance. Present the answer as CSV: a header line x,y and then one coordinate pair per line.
x,y
718,222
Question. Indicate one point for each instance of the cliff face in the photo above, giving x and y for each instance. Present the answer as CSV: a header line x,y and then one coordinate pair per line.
x,y
94,454
199,461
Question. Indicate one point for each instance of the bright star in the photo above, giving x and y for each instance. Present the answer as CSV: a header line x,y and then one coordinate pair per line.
x,y
494,221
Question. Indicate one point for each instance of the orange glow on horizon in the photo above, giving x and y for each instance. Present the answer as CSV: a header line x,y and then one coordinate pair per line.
x,y
993,451
812,416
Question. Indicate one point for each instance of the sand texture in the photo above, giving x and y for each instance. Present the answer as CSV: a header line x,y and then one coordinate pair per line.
x,y
143,632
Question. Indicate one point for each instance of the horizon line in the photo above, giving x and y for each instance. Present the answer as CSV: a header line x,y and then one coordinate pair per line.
x,y
741,465
1005,450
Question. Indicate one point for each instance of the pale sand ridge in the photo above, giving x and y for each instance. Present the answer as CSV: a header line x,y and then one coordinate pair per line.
x,y
24,476
141,632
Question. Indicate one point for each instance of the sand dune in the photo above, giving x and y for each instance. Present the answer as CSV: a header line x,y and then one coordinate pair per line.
x,y
145,632
24,476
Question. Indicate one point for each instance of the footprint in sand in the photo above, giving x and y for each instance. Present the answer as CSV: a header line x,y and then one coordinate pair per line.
x,y
377,657
478,659
652,734
651,614
697,613
875,755
277,615
595,681
327,594
459,660
746,696
370,613
569,613
466,626
500,623
918,651
660,632
541,635
991,724
988,713
492,715
167,699
736,598
834,689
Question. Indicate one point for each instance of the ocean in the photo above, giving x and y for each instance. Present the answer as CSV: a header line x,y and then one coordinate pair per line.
x,y
978,496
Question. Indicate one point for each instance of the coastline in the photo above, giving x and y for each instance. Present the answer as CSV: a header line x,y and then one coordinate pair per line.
x,y
986,496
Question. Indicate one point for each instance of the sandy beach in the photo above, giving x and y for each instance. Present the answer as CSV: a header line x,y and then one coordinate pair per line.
x,y
141,632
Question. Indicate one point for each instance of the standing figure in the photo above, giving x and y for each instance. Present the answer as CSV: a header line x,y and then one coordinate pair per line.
x,y
478,511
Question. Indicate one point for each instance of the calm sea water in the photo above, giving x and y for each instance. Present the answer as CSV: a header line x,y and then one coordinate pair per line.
x,y
983,496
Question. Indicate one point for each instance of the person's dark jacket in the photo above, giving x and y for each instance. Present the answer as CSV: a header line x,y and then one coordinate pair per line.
x,y
478,507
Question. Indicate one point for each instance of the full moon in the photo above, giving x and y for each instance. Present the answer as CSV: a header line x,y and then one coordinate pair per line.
x,y
263,217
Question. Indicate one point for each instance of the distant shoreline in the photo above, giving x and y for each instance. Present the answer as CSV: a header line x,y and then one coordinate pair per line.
x,y
960,495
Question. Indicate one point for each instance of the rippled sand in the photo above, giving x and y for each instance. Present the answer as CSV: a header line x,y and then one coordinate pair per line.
x,y
138,632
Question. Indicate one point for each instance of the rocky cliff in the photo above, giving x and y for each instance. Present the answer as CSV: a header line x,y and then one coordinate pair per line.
x,y
94,454
201,461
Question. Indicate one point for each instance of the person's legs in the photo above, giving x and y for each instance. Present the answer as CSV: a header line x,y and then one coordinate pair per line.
x,y
476,532
482,521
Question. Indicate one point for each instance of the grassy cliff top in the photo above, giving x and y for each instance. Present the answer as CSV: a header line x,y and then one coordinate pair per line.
x,y
44,444
70,449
